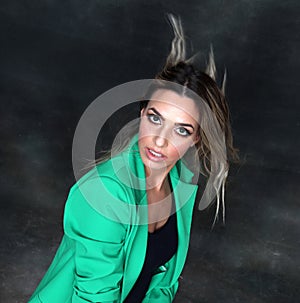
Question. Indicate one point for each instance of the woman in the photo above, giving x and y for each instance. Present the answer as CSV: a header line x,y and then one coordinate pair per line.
x,y
136,252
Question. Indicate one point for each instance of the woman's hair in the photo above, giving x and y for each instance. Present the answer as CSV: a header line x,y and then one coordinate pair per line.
x,y
182,71
214,153
215,148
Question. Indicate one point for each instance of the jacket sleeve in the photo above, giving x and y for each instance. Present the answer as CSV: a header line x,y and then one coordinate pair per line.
x,y
162,294
99,254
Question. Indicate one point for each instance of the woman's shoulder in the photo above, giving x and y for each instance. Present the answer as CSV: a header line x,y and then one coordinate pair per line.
x,y
102,189
113,187
101,176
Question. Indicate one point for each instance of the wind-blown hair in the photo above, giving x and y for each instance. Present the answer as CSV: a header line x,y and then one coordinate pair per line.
x,y
214,154
215,148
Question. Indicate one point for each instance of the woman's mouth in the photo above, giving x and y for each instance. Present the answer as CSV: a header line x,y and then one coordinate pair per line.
x,y
154,155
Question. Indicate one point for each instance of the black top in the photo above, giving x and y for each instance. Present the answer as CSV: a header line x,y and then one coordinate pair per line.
x,y
161,246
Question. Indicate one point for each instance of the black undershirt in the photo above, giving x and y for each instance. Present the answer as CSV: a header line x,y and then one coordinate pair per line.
x,y
161,246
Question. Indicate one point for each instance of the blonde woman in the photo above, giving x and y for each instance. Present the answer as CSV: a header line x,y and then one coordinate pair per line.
x,y
183,130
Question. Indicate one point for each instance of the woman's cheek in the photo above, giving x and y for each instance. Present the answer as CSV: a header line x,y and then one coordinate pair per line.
x,y
178,151
145,129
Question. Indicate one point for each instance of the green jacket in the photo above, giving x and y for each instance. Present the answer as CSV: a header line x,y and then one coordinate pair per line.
x,y
103,247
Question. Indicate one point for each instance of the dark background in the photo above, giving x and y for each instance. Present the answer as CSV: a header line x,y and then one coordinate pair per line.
x,y
56,57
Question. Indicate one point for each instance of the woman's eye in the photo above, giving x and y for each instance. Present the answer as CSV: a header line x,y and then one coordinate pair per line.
x,y
154,119
182,131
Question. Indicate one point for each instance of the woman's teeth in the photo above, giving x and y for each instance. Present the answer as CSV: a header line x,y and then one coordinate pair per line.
x,y
155,153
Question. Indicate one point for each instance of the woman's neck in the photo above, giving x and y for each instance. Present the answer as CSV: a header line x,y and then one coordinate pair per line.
x,y
156,179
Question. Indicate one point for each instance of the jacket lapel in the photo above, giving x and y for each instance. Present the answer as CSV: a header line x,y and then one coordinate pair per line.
x,y
137,234
184,195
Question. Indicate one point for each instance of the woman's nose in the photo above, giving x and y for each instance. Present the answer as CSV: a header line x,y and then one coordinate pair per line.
x,y
160,141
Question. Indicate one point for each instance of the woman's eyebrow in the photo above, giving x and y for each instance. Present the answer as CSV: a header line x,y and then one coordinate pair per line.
x,y
177,124
157,112
185,124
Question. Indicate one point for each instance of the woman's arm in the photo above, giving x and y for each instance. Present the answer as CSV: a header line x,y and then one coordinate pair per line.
x,y
99,254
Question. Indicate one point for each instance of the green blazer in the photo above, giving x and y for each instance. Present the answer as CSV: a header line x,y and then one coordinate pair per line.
x,y
105,235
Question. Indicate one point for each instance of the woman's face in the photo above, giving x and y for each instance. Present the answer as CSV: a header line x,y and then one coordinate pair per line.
x,y
168,128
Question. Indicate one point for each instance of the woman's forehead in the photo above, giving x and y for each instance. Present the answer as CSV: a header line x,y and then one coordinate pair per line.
x,y
172,103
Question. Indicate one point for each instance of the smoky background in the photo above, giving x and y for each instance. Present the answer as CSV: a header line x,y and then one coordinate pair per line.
x,y
56,57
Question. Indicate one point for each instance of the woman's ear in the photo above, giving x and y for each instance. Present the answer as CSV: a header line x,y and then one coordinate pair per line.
x,y
197,139
142,111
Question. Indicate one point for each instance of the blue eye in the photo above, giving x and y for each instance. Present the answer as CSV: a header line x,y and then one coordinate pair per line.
x,y
182,131
154,118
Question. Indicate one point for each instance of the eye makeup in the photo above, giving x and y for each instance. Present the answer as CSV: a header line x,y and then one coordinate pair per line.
x,y
155,117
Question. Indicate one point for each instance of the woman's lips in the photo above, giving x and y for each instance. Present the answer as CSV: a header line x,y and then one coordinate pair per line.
x,y
154,155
